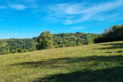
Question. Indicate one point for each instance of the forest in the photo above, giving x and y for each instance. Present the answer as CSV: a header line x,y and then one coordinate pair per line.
x,y
114,33
59,40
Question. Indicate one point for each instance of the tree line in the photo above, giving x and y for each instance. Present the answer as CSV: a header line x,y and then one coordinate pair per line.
x,y
114,33
16,45
44,41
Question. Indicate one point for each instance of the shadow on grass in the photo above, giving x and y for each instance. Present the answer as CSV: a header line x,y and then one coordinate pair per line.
x,y
109,74
115,52
113,46
105,75
61,61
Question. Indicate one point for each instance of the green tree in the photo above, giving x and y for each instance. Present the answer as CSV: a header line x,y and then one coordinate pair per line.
x,y
90,40
115,33
19,50
45,40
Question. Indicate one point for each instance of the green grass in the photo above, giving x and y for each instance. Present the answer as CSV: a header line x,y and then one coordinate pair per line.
x,y
88,63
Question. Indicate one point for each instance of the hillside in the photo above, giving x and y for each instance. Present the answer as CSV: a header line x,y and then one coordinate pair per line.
x,y
89,63
59,40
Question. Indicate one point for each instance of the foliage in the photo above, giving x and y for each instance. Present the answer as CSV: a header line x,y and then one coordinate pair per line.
x,y
19,50
17,45
90,40
114,33
5,52
71,39
58,40
45,41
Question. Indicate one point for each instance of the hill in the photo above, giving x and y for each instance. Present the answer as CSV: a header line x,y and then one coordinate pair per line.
x,y
88,63
60,40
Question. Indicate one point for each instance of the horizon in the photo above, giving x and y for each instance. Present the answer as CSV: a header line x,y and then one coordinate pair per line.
x,y
27,19
40,33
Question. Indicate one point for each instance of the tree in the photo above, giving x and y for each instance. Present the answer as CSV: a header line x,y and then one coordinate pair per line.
x,y
45,41
90,40
19,50
115,33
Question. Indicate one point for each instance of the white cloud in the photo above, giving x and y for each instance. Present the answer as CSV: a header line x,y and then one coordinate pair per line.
x,y
31,3
83,12
20,4
18,7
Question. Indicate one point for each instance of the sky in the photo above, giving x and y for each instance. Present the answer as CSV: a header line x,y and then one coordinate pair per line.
x,y
28,18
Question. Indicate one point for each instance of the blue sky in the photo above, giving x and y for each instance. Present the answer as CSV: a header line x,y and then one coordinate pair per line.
x,y
28,18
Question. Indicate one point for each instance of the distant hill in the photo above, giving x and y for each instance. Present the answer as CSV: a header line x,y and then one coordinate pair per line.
x,y
60,40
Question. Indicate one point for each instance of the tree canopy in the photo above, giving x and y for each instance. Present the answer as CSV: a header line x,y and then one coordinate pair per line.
x,y
45,40
114,33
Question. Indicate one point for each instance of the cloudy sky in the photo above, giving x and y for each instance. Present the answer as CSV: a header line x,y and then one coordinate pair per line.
x,y
28,18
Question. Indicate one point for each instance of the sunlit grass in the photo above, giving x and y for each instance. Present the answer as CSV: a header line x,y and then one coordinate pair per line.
x,y
87,63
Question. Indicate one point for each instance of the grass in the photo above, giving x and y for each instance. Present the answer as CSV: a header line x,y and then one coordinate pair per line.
x,y
88,63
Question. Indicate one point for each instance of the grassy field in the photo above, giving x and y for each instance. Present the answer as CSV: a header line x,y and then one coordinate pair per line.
x,y
88,63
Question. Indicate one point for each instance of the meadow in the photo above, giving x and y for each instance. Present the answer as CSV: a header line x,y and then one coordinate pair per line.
x,y
88,63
